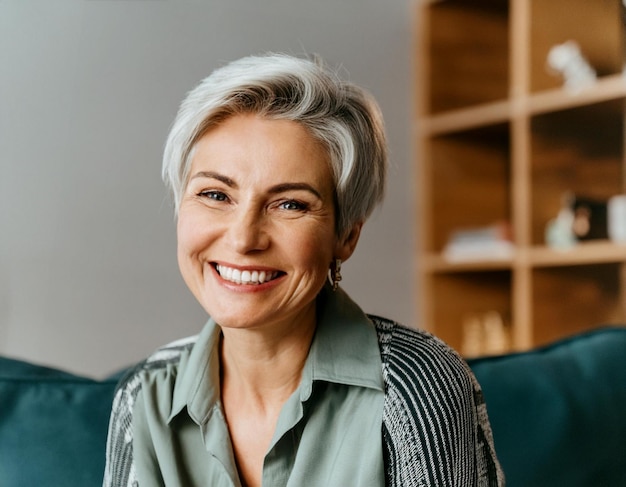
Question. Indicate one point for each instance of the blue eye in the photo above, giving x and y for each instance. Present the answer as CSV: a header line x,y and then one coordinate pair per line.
x,y
213,195
293,205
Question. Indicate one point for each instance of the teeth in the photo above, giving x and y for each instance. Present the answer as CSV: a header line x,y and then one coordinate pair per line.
x,y
245,277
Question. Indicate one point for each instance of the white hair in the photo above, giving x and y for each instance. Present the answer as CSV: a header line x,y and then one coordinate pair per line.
x,y
340,115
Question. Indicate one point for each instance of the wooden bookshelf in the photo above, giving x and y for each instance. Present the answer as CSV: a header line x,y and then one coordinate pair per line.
x,y
499,138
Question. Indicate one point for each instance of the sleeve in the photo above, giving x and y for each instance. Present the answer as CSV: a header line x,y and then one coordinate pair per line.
x,y
436,430
120,467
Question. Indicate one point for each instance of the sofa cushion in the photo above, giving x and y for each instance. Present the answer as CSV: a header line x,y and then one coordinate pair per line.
x,y
53,426
558,413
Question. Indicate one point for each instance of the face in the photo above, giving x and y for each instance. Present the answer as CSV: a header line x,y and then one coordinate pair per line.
x,y
256,223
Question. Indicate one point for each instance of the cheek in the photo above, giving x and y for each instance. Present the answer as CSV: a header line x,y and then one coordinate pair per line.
x,y
184,242
315,249
184,236
190,236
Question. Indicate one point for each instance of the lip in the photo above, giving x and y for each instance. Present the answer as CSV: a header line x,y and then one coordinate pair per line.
x,y
252,287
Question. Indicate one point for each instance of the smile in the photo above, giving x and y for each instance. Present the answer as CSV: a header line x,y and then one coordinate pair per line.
x,y
245,277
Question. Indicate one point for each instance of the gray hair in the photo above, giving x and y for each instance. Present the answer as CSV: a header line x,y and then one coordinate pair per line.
x,y
342,116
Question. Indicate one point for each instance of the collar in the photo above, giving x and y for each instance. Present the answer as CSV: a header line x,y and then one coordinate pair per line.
x,y
344,351
345,347
198,381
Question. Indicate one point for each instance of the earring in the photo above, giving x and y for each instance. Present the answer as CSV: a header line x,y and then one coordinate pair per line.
x,y
334,274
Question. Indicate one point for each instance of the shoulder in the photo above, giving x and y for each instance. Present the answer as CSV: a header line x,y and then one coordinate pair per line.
x,y
435,425
164,360
423,376
418,354
120,467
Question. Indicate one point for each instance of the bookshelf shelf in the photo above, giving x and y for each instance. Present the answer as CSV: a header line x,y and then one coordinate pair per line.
x,y
605,89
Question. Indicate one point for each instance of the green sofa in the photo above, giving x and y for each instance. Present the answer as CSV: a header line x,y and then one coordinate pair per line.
x,y
558,415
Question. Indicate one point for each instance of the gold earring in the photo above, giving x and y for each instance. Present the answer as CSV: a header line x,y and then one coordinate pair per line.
x,y
335,273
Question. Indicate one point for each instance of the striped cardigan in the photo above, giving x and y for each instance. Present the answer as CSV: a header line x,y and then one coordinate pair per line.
x,y
435,427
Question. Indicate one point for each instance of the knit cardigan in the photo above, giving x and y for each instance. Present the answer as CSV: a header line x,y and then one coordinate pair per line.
x,y
435,427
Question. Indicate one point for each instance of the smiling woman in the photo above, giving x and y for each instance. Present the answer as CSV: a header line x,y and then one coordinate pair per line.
x,y
275,164
253,206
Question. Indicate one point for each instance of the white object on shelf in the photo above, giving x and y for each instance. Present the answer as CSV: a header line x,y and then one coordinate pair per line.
x,y
471,251
482,243
616,216
567,60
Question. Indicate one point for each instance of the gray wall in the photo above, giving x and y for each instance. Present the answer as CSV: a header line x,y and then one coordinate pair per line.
x,y
88,89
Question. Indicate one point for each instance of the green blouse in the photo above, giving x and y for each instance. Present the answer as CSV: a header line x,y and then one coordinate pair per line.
x,y
328,432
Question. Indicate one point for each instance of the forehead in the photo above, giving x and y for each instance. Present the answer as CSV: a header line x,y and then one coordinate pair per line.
x,y
254,144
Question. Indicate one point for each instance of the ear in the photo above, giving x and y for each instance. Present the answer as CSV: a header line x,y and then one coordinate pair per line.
x,y
347,243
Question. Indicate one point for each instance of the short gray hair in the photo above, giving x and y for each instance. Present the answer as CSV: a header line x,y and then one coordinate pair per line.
x,y
342,116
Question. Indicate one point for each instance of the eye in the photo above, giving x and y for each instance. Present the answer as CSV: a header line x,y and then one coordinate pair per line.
x,y
293,205
213,195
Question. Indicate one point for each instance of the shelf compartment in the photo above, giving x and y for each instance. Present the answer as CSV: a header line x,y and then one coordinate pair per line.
x,y
458,296
596,25
578,150
470,41
470,181
570,300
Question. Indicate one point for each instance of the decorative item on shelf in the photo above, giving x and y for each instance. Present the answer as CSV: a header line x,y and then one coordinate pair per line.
x,y
491,242
590,221
616,215
485,334
568,61
559,231
472,344
580,218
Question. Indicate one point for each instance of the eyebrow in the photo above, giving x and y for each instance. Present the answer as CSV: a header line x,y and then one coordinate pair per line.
x,y
215,175
279,188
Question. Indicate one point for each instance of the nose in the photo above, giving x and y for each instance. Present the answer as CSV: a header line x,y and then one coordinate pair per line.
x,y
247,230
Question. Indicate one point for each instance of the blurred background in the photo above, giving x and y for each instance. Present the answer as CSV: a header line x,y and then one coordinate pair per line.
x,y
522,185
504,226
88,90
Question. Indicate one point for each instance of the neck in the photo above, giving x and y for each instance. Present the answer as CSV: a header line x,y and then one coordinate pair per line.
x,y
264,366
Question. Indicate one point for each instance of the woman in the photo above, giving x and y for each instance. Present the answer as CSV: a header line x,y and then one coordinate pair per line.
x,y
275,164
